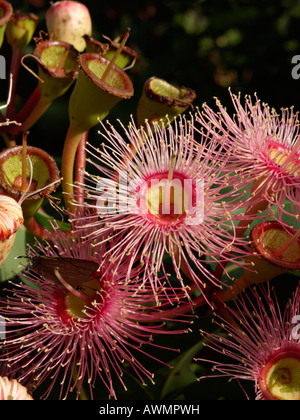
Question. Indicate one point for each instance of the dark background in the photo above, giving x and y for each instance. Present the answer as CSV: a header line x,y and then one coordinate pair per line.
x,y
207,45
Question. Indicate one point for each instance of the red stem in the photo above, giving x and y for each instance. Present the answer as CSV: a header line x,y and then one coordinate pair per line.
x,y
241,228
14,70
35,229
39,109
29,105
236,289
39,231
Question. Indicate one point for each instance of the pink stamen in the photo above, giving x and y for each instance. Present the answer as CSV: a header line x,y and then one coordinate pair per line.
x,y
294,151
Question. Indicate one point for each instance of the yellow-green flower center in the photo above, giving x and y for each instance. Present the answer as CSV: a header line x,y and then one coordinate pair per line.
x,y
283,379
167,201
77,307
280,378
286,159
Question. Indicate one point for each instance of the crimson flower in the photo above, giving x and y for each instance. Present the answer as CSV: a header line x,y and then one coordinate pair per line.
x,y
266,145
261,344
160,192
75,336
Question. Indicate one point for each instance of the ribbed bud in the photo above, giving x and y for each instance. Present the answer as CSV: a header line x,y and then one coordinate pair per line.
x,y
11,217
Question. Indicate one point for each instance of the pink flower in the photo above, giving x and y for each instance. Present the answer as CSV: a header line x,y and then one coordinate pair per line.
x,y
262,344
83,336
10,389
267,145
132,194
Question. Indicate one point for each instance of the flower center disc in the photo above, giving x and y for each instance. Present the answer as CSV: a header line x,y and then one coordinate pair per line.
x,y
285,159
280,378
72,306
167,202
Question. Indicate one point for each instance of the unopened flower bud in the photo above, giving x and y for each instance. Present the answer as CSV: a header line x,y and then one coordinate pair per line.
x,y
126,58
11,389
20,29
160,98
41,177
6,12
11,217
68,21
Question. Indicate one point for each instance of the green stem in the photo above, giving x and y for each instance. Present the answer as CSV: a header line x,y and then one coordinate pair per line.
x,y
39,109
44,219
80,166
72,141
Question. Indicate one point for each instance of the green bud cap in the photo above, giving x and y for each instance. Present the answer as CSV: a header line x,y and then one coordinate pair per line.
x,y
269,238
93,98
126,58
160,98
276,250
20,29
6,12
44,171
58,68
